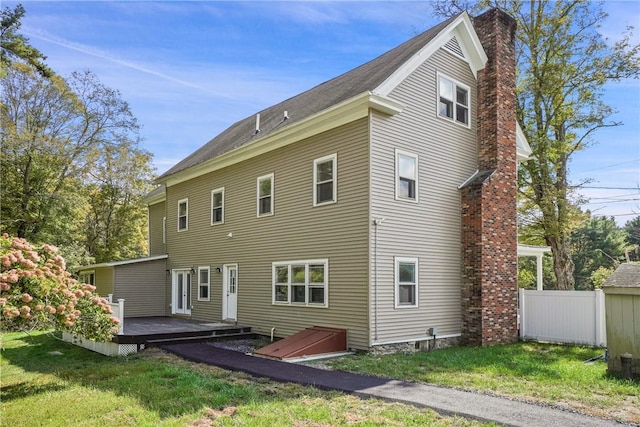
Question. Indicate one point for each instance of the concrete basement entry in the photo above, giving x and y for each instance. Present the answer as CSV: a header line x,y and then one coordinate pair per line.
x,y
308,342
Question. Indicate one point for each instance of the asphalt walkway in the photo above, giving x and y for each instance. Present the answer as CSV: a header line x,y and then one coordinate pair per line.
x,y
443,400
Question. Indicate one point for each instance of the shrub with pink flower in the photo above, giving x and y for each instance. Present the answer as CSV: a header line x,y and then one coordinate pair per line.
x,y
37,293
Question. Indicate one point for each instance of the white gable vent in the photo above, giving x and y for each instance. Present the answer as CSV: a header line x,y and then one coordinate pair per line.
x,y
453,46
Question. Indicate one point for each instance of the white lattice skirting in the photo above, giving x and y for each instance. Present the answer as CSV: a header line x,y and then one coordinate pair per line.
x,y
106,348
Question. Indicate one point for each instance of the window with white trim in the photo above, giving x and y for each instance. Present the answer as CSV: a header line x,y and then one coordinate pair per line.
x,y
204,283
88,277
183,214
325,180
406,176
453,100
264,193
217,206
406,282
301,282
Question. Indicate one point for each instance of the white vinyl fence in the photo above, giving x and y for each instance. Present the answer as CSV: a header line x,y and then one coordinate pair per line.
x,y
576,317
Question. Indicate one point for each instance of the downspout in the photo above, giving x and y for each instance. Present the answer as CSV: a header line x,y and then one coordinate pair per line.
x,y
375,280
376,222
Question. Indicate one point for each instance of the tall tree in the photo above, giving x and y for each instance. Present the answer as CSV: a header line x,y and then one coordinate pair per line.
x,y
116,221
600,243
14,46
632,229
55,136
563,65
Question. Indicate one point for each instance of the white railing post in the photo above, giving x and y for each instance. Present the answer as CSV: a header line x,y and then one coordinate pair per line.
x,y
600,319
121,315
110,298
523,321
539,273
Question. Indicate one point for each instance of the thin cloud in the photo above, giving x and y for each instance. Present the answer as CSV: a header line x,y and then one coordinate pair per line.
x,y
92,51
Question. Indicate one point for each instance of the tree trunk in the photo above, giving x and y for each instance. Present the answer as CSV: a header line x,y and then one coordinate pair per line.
x,y
562,262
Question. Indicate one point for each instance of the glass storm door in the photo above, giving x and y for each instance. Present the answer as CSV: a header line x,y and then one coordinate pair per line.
x,y
230,292
181,292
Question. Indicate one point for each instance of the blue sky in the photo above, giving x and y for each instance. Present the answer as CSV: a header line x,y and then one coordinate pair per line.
x,y
191,69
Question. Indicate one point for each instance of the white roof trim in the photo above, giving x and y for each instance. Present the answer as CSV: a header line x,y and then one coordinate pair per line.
x,y
127,261
530,250
155,199
523,149
462,29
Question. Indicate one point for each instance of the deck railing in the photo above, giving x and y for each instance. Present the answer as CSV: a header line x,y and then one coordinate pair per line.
x,y
118,311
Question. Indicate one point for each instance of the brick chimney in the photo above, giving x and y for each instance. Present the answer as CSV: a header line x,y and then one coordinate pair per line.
x,y
489,230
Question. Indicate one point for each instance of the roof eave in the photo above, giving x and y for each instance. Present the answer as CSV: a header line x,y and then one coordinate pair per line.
x,y
124,262
153,199
523,149
462,29
340,114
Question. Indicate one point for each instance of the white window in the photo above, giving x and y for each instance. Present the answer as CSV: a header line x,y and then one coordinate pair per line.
x,y
453,100
87,277
406,176
406,280
264,193
183,214
217,206
301,283
325,180
204,285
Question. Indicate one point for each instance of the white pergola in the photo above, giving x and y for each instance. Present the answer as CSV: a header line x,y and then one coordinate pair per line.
x,y
538,252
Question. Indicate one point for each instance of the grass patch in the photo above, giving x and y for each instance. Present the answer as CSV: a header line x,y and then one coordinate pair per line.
x,y
548,373
46,382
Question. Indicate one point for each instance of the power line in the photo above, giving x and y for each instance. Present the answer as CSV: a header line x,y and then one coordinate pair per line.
x,y
607,188
609,166
610,201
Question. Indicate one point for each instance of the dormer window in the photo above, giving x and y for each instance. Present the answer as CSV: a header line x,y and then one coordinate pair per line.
x,y
453,100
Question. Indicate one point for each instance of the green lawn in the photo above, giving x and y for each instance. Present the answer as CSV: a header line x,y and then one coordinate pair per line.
x,y
46,382
549,373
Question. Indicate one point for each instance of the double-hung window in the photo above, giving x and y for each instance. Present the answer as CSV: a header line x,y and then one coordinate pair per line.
x,y
325,180
453,101
217,206
301,283
183,215
265,195
204,283
406,282
406,176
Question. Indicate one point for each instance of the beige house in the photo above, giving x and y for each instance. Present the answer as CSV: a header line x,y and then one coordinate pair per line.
x,y
381,202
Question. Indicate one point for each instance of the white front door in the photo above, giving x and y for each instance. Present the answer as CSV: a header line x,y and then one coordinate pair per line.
x,y
181,291
230,292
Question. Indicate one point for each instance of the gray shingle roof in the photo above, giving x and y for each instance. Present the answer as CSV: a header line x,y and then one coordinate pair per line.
x,y
359,80
626,275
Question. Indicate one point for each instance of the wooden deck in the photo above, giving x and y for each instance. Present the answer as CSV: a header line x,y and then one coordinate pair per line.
x,y
150,331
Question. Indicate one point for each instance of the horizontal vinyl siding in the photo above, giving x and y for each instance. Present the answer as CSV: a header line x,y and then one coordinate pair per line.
x,y
430,229
104,281
156,213
142,285
297,231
